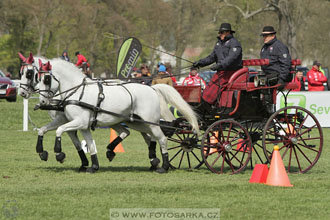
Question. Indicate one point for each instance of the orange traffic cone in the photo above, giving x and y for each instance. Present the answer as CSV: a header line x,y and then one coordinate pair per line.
x,y
119,148
290,129
240,146
259,174
277,175
214,140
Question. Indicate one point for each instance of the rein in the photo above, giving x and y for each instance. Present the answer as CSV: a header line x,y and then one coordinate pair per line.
x,y
130,118
96,109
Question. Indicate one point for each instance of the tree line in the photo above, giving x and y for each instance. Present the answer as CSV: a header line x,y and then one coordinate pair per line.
x,y
97,28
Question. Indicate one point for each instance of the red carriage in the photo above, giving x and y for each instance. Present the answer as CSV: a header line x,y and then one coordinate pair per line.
x,y
244,127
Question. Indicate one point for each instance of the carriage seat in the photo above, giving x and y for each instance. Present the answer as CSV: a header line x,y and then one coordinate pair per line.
x,y
243,80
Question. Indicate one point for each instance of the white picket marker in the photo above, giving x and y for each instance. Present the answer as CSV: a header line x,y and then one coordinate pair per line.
x,y
25,114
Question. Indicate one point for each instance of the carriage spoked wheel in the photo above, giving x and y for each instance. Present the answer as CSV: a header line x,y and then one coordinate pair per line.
x,y
299,136
255,129
183,150
226,147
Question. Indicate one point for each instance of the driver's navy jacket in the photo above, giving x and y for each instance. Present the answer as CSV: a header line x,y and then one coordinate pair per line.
x,y
279,59
227,53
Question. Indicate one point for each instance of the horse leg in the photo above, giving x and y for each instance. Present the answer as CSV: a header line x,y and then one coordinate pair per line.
x,y
92,148
57,121
123,133
162,140
70,126
154,161
84,161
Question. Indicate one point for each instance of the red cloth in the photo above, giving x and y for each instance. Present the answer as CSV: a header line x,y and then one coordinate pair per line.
x,y
297,81
173,80
316,80
81,59
216,85
194,81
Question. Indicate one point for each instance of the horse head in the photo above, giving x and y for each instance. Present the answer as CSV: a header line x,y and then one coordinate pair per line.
x,y
28,75
48,84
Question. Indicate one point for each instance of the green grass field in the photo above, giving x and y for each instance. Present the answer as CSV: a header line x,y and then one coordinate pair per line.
x,y
35,189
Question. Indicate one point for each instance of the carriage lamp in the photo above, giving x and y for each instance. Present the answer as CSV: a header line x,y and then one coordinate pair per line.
x,y
260,79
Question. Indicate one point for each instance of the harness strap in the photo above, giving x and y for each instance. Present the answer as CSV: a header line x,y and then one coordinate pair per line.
x,y
73,90
49,107
132,113
98,109
100,98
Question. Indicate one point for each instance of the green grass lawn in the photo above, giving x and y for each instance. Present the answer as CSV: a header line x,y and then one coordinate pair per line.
x,y
50,190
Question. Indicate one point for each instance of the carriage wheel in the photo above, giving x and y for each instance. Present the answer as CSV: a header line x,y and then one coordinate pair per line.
x,y
184,150
299,136
255,129
226,147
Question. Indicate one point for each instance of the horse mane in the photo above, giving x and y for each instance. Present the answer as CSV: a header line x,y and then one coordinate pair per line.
x,y
66,68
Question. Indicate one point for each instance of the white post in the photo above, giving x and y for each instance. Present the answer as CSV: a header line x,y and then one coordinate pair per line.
x,y
25,114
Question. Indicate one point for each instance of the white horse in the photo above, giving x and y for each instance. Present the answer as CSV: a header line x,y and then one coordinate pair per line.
x,y
29,83
28,86
139,106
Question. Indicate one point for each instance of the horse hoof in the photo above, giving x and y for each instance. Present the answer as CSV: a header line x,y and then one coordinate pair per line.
x,y
154,162
82,169
161,170
110,155
152,168
84,164
91,170
43,155
60,157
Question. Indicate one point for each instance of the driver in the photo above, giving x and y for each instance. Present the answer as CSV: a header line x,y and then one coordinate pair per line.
x,y
227,56
278,55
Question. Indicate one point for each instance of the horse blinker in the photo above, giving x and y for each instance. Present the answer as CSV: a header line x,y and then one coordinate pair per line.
x,y
47,80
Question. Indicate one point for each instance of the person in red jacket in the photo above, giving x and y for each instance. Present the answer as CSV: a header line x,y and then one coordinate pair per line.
x,y
194,79
316,78
300,80
82,63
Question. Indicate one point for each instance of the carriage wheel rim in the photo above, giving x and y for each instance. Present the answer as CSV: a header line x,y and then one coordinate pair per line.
x,y
234,160
295,151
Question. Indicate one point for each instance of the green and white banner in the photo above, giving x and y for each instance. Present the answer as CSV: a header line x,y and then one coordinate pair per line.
x,y
128,55
318,103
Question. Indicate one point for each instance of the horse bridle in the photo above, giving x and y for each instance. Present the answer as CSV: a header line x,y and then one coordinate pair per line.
x,y
48,78
31,76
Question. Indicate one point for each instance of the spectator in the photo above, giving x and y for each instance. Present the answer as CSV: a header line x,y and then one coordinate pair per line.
x,y
300,80
135,73
65,56
169,72
316,78
227,56
162,77
193,79
10,70
145,76
82,63
8,75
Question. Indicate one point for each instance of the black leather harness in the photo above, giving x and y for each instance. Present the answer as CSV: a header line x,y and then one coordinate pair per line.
x,y
97,109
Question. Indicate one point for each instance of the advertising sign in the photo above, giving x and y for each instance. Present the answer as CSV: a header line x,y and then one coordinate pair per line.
x,y
318,103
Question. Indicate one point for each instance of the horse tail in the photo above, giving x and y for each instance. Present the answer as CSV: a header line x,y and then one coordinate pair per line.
x,y
172,97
